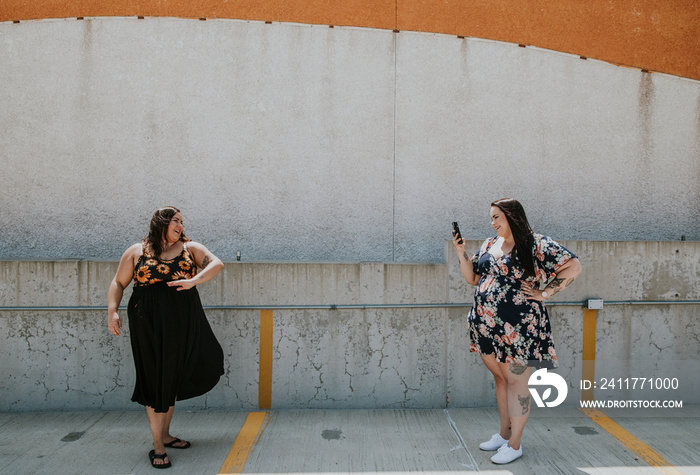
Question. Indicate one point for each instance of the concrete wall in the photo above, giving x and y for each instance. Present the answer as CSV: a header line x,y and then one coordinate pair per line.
x,y
348,358
309,143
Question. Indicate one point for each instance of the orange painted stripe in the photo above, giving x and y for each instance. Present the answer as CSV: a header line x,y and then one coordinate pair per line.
x,y
265,370
375,14
626,438
589,337
656,35
245,442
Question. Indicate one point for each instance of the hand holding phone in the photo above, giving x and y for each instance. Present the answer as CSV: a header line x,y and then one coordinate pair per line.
x,y
456,233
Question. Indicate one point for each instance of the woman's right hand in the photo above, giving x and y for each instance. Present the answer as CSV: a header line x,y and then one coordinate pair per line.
x,y
458,246
465,262
114,323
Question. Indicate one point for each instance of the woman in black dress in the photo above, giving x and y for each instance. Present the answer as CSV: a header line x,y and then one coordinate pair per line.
x,y
175,351
514,273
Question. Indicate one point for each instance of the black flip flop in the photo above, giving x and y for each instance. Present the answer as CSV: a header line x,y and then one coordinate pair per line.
x,y
172,443
152,455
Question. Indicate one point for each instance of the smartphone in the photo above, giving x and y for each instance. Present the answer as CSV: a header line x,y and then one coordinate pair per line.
x,y
455,232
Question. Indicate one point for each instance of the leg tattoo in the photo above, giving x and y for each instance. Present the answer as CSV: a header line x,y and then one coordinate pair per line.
x,y
517,368
524,403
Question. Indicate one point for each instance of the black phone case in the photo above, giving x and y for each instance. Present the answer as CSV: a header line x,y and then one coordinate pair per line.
x,y
456,231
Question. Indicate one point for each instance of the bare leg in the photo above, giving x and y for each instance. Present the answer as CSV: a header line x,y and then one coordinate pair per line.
x,y
517,376
167,438
160,425
501,393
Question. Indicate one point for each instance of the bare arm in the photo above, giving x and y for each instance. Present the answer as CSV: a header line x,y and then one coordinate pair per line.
x,y
116,288
205,260
465,263
566,274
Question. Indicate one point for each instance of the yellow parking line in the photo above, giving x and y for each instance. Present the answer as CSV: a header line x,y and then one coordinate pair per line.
x,y
245,442
626,438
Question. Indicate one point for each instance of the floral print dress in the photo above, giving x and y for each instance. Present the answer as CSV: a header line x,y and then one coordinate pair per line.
x,y
503,321
150,270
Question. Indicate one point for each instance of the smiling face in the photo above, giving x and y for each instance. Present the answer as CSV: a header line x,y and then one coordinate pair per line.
x,y
500,222
174,231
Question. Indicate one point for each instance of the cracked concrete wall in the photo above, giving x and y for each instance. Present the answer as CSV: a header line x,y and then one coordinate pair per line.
x,y
347,358
359,359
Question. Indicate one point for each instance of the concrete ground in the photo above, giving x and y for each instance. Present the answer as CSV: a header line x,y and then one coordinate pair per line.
x,y
348,441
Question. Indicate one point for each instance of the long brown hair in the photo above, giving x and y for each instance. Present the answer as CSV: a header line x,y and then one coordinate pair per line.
x,y
155,239
522,232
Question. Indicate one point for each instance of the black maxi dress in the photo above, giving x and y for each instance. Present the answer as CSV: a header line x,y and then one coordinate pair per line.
x,y
175,351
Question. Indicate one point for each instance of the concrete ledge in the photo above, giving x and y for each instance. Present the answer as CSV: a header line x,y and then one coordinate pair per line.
x,y
410,357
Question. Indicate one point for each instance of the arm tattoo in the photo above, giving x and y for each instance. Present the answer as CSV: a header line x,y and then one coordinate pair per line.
x,y
558,284
524,403
206,261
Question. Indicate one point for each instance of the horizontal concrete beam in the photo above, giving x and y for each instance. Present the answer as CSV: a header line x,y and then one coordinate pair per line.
x,y
345,335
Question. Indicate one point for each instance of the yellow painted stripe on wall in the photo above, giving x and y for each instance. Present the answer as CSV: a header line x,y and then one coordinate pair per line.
x,y
245,442
644,451
656,35
265,371
589,337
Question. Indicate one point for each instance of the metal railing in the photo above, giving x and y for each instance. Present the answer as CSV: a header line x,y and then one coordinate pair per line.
x,y
349,306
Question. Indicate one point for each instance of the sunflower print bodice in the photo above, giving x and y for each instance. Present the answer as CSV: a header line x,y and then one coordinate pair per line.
x,y
150,270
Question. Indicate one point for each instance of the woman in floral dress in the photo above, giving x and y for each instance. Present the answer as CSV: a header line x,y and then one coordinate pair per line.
x,y
175,351
508,324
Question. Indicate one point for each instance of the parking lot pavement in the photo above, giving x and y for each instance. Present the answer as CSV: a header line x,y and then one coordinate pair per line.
x,y
350,441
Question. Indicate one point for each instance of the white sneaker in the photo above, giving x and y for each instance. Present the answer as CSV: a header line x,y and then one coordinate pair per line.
x,y
506,454
494,443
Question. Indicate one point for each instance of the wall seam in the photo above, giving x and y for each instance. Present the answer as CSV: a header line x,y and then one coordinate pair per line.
x,y
393,192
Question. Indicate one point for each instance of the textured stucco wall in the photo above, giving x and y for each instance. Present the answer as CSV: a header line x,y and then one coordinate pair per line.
x,y
349,358
298,142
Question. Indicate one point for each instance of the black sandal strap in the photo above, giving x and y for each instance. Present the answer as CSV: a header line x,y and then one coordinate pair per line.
x,y
152,455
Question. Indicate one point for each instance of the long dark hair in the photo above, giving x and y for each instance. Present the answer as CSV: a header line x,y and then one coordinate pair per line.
x,y
155,239
522,232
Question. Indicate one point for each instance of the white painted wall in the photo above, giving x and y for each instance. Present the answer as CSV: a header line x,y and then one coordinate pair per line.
x,y
305,143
